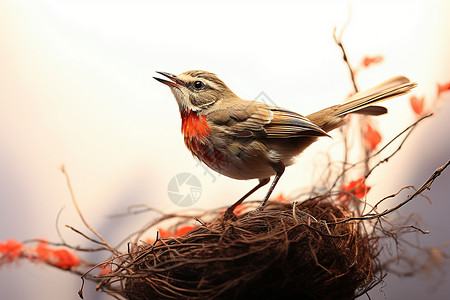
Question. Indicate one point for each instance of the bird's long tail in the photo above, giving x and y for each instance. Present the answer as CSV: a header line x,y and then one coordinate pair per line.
x,y
332,117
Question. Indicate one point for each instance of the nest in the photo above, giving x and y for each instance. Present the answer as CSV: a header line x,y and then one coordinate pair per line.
x,y
286,251
315,249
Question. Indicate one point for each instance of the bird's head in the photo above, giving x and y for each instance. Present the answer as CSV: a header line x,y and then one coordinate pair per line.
x,y
196,90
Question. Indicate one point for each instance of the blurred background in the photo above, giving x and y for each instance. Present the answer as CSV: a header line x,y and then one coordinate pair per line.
x,y
76,88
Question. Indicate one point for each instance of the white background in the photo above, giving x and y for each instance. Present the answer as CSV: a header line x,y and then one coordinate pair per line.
x,y
76,88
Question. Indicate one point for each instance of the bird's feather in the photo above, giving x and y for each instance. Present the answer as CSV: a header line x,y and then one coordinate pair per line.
x,y
287,124
332,117
255,119
393,87
242,118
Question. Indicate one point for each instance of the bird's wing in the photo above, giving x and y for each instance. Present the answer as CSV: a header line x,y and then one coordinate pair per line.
x,y
286,124
255,119
242,118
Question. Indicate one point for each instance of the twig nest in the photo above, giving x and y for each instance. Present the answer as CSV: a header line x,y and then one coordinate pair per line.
x,y
283,252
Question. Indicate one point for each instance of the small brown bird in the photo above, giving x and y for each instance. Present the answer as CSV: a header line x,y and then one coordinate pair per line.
x,y
245,139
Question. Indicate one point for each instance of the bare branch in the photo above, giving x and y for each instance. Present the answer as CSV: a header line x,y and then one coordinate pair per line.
x,y
426,185
102,240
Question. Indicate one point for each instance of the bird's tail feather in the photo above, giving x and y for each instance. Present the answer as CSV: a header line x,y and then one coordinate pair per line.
x,y
393,87
333,117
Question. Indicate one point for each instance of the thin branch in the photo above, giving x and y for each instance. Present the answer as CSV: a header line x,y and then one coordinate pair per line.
x,y
425,186
338,41
86,236
57,227
72,194
374,208
410,128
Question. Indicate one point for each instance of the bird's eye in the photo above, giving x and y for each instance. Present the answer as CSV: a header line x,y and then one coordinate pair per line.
x,y
198,85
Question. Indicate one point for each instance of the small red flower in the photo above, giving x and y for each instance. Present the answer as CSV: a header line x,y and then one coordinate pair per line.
x,y
42,252
149,240
443,88
183,230
367,60
167,233
64,259
240,209
60,258
164,233
105,269
282,199
11,249
372,138
417,104
356,187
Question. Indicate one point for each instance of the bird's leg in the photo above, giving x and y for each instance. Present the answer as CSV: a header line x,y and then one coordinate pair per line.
x,y
229,212
279,168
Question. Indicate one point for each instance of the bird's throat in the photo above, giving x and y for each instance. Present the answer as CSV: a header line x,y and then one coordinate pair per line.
x,y
193,125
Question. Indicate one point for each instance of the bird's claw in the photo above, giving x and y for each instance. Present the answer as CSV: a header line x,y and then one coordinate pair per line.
x,y
260,208
229,215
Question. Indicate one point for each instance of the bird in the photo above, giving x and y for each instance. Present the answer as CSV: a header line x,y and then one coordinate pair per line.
x,y
246,139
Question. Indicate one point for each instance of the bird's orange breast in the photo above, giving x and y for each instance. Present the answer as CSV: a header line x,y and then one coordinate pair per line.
x,y
194,126
196,130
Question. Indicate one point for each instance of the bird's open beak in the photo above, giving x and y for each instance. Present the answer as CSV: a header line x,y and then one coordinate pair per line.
x,y
175,81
